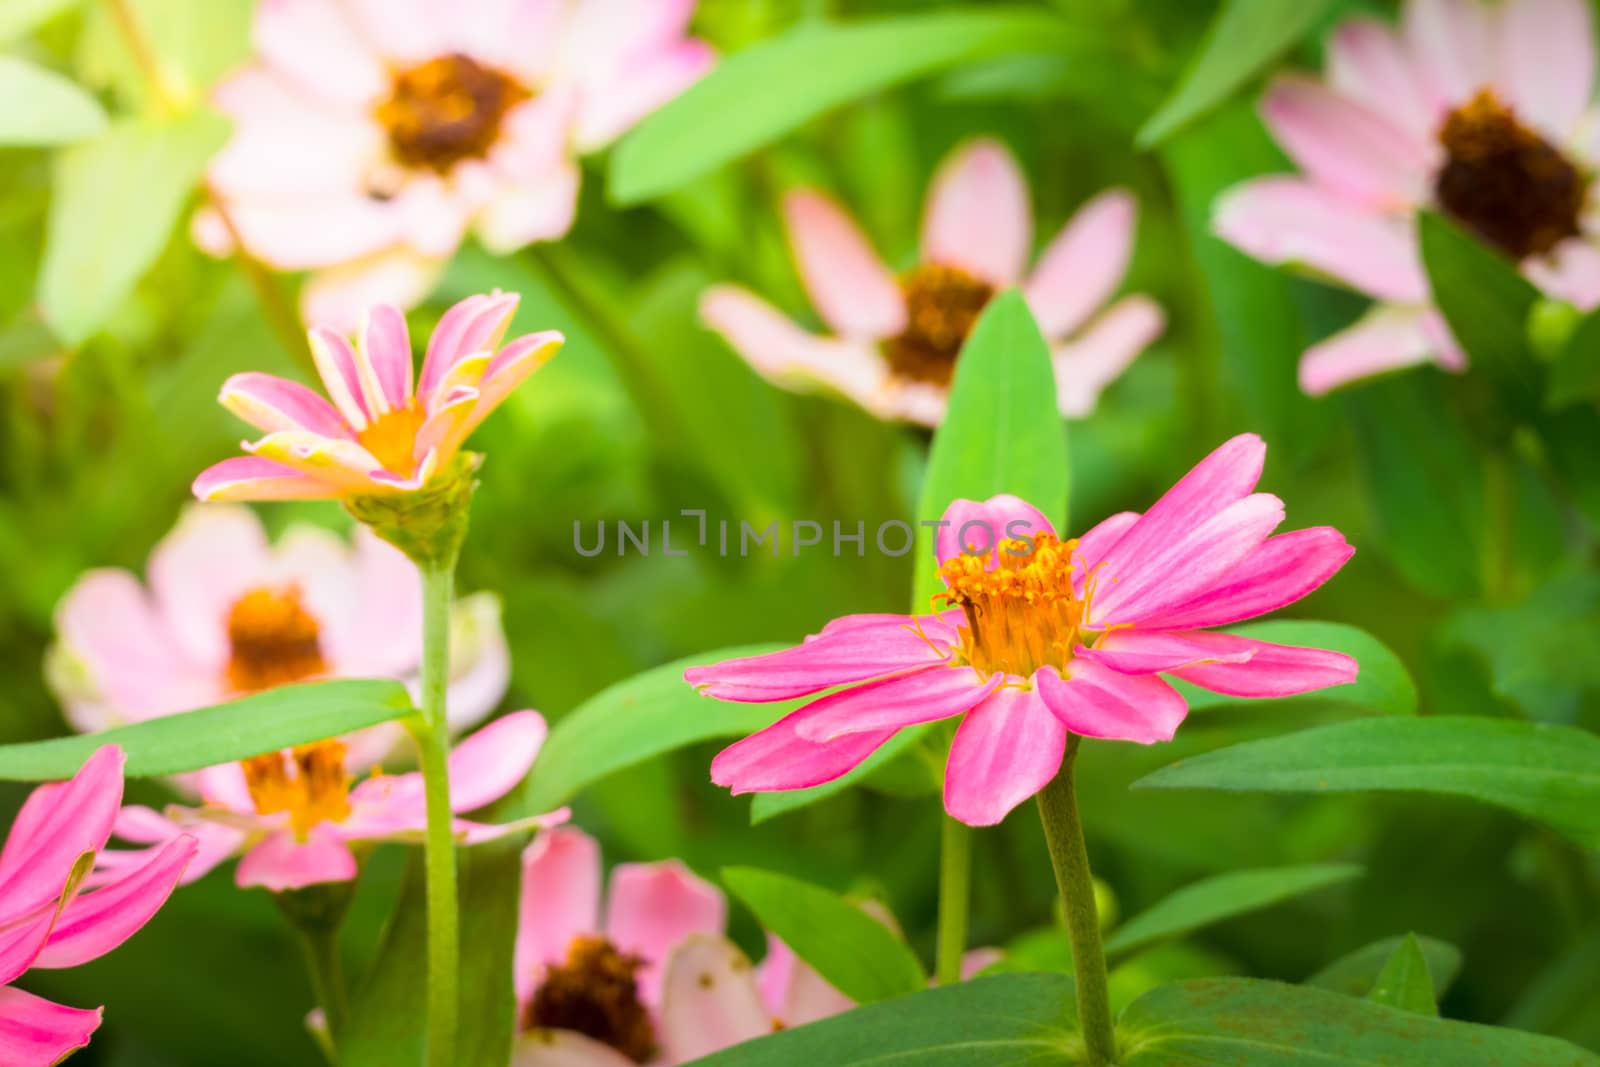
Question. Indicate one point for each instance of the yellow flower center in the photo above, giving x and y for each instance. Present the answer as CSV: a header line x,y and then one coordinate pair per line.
x,y
446,110
596,993
308,782
1024,613
272,640
942,305
1506,183
392,439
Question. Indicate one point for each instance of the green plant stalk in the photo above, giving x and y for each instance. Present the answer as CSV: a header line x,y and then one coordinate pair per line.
x,y
321,948
1063,832
439,846
955,891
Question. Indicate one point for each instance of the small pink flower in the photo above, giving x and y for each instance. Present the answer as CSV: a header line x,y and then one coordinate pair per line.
x,y
45,922
295,817
896,339
1482,112
227,613
1046,637
381,434
371,135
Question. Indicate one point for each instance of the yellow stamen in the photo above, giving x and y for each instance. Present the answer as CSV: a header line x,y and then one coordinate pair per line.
x,y
392,439
309,782
273,640
1022,614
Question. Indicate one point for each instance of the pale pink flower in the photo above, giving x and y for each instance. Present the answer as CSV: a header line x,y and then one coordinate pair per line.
x,y
296,820
895,340
46,922
370,136
1479,111
227,612
1046,637
381,434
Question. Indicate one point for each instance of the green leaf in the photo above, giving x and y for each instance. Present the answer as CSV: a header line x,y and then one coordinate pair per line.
x,y
1548,773
277,718
1356,974
1384,685
758,95
1560,999
115,202
1405,981
17,17
44,108
652,713
1224,896
1007,1019
1575,375
1243,39
853,951
1234,1021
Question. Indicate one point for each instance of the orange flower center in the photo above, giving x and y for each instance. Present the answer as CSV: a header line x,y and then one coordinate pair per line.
x,y
392,439
942,304
273,641
308,782
446,110
596,993
1024,613
1506,183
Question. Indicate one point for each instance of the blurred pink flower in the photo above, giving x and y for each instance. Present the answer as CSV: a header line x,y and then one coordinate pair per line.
x,y
294,815
227,613
380,434
1479,111
371,135
896,339
1046,637
46,922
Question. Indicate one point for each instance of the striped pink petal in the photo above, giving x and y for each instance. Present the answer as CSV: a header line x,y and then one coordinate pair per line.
x,y
1271,670
336,363
271,404
838,658
778,758
1006,749
339,462
898,701
95,923
35,1032
58,823
849,285
509,368
383,354
1096,701
1150,652
473,325
971,527
1279,572
254,478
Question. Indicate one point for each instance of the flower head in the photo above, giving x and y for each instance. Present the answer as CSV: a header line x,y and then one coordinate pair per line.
x,y
896,339
1036,637
1479,111
58,908
371,135
377,434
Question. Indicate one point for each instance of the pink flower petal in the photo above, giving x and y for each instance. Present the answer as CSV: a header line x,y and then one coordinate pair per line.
x,y
328,230
336,363
542,1047
1083,265
642,87
338,295
1150,652
849,285
606,36
1282,570
1389,337
1357,153
495,760
1270,671
22,938
1087,364
58,823
711,1000
560,901
1571,272
35,1032
473,325
1007,749
539,208
1093,546
271,404
287,144
778,758
794,993
215,843
95,923
319,46
652,908
1290,220
1096,701
280,862
509,368
338,462
379,634
383,359
1368,64
978,216
891,703
215,554
253,478
1450,43
839,658
970,527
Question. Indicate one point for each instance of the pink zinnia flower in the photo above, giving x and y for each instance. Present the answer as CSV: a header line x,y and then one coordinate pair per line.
x,y
896,339
227,613
380,434
371,135
1046,637
296,818
1482,112
46,922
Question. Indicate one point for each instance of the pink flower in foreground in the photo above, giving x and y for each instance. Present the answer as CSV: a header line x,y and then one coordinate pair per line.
x,y
381,434
371,135
896,340
1046,637
1479,111
296,818
46,922
227,613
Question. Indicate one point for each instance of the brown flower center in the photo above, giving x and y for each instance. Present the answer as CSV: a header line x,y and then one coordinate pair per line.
x,y
392,439
273,641
596,993
1504,182
308,782
446,110
942,304
1024,613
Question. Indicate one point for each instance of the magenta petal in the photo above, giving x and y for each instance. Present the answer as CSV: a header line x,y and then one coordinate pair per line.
x,y
1279,572
58,823
35,1032
385,354
336,363
970,527
849,285
271,404
474,325
1007,749
23,937
280,862
652,908
837,658
895,702
95,923
255,478
1270,671
778,758
1096,701
1093,546
1141,652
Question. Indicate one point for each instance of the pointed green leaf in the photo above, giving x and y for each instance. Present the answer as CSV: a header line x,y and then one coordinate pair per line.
x,y
1405,981
1575,375
43,108
1355,974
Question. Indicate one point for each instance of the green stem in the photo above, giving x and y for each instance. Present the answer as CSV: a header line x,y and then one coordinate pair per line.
x,y
1063,832
955,891
321,948
433,742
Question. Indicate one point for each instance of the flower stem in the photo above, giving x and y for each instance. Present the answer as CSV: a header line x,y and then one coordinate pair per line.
x,y
433,742
1063,832
321,948
955,891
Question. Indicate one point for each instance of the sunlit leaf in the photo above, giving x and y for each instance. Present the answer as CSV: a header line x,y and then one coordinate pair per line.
x,y
40,107
1575,375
